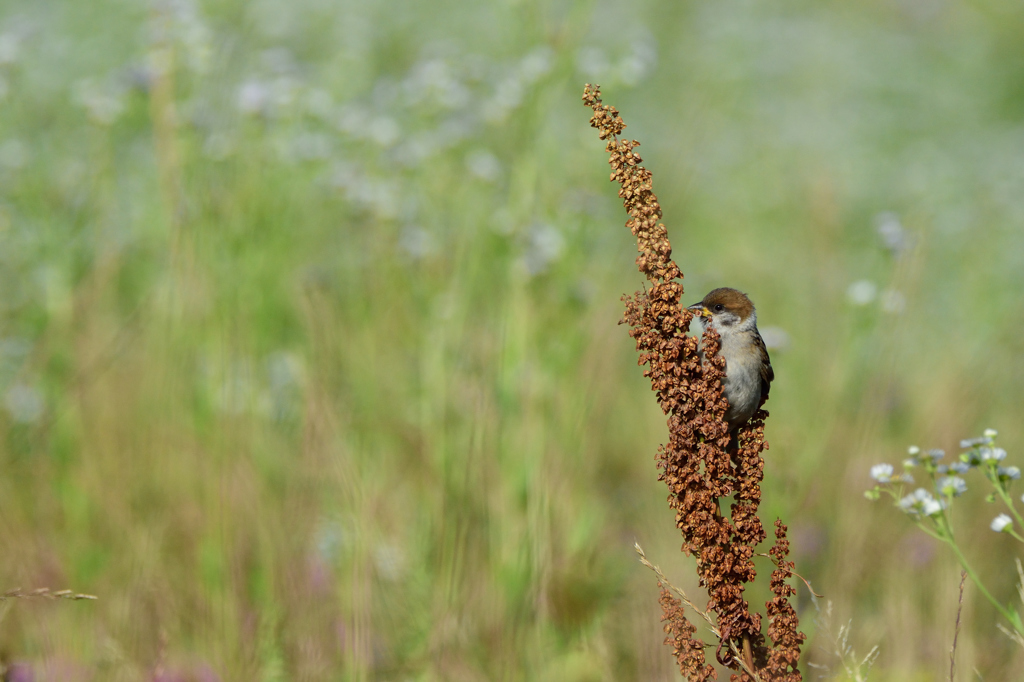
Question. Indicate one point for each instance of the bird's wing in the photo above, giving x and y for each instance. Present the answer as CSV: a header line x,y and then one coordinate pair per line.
x,y
767,373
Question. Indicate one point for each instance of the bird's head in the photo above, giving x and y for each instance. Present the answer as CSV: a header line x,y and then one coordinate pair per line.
x,y
726,310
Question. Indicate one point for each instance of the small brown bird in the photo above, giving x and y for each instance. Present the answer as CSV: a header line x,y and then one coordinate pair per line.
x,y
748,370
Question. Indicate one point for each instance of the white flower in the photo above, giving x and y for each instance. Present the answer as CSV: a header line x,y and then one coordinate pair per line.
x,y
893,234
905,478
1009,473
913,450
909,463
484,165
960,467
417,242
991,433
920,502
1001,523
971,442
103,102
953,486
546,246
253,97
882,473
936,454
24,403
861,292
992,454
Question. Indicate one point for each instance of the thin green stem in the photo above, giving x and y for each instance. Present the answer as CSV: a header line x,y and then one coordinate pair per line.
x,y
946,535
1006,613
930,532
946,522
1012,532
1008,502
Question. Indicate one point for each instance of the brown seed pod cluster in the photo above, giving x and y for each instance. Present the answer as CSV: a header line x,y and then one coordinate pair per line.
x,y
689,652
697,464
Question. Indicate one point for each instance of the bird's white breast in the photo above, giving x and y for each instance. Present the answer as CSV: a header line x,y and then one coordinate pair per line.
x,y
742,382
742,376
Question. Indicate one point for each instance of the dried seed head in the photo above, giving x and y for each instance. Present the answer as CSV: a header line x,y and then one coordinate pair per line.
x,y
697,463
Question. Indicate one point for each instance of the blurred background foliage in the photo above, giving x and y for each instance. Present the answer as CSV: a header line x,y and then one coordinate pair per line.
x,y
309,363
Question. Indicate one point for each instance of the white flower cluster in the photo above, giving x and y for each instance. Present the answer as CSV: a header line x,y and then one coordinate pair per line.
x,y
1008,473
952,486
884,473
921,503
980,453
955,467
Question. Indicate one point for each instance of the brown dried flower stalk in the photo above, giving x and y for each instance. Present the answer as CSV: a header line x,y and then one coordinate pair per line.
x,y
696,463
689,652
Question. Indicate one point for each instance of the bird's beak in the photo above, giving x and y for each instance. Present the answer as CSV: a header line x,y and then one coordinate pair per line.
x,y
699,309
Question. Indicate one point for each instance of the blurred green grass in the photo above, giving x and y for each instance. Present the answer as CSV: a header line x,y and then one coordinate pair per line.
x,y
320,378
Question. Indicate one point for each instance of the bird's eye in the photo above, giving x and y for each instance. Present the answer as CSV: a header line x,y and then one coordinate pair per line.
x,y
719,308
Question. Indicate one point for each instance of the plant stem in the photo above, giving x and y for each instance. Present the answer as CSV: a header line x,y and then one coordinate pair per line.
x,y
930,532
1009,503
1006,613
